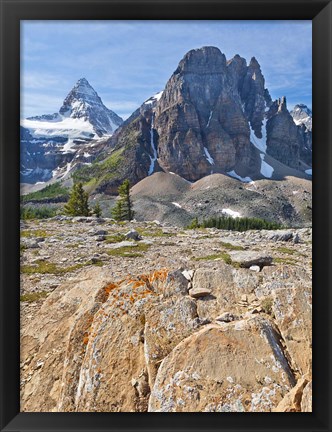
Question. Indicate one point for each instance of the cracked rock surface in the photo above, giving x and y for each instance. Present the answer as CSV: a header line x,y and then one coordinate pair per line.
x,y
111,326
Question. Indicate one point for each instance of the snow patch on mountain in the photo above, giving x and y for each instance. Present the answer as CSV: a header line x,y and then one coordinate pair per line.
x,y
266,169
208,157
243,179
232,213
153,99
259,143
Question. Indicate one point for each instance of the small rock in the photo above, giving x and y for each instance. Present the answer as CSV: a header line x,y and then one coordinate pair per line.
x,y
99,233
255,268
133,235
199,292
123,244
227,317
100,238
94,259
29,243
247,258
188,274
280,236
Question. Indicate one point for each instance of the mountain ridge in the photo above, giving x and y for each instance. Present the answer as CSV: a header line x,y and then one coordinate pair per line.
x,y
213,116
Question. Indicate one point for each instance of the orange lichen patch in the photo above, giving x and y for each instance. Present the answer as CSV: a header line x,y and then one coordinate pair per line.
x,y
158,275
138,284
110,287
105,292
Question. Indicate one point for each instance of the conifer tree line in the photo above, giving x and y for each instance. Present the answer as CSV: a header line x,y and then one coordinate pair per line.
x,y
235,224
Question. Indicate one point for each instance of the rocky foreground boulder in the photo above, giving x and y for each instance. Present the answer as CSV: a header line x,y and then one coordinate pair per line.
x,y
145,343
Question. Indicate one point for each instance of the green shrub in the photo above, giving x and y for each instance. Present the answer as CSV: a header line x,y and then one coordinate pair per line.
x,y
267,305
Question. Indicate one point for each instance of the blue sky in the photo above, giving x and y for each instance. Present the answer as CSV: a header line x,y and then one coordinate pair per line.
x,y
128,61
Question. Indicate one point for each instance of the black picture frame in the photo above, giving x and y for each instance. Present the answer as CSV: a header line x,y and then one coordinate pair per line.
x,y
12,11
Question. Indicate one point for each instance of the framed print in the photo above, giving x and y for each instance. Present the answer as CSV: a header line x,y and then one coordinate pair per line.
x,y
165,261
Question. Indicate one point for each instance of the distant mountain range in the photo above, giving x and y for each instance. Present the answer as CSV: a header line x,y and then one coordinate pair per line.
x,y
213,116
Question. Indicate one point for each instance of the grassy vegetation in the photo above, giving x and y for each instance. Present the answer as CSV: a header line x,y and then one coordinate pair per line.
x,y
129,251
50,192
222,255
115,238
99,172
230,246
154,233
34,233
290,261
234,224
32,297
285,250
46,267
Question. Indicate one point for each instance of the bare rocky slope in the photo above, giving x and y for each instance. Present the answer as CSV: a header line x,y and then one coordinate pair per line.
x,y
164,319
169,198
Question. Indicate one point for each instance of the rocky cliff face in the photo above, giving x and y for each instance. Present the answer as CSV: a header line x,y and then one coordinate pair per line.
x,y
214,116
52,145
284,141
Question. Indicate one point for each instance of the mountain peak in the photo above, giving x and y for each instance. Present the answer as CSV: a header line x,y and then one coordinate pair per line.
x,y
83,102
207,59
302,115
83,81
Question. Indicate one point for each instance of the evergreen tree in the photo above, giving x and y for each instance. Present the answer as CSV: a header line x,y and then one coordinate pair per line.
x,y
77,204
97,210
123,209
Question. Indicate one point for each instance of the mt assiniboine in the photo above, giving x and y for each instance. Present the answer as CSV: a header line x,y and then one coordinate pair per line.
x,y
52,145
213,116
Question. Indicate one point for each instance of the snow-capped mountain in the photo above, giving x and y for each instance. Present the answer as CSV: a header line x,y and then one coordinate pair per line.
x,y
302,115
84,103
51,141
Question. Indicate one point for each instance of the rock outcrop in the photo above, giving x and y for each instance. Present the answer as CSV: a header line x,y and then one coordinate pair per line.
x,y
284,141
124,334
